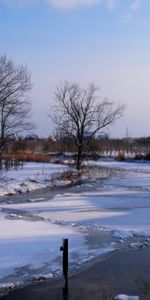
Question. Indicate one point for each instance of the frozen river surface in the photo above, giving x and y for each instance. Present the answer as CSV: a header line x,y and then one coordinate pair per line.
x,y
106,215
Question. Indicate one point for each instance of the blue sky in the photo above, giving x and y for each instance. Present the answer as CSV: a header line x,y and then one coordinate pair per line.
x,y
105,41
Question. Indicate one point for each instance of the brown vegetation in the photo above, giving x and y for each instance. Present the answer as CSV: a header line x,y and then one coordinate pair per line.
x,y
27,156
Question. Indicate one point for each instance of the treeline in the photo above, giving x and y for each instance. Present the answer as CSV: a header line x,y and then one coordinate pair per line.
x,y
138,148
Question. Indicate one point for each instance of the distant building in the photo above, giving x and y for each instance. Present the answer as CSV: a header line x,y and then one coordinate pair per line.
x,y
129,140
102,137
31,137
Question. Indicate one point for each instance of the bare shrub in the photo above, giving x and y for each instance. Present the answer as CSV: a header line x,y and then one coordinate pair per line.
x,y
67,175
106,295
120,156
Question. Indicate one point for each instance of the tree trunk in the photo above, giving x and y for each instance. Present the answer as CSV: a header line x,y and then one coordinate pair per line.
x,y
79,158
1,162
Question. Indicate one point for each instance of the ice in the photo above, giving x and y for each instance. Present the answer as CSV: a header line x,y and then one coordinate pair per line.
x,y
96,221
9,285
36,199
122,234
126,297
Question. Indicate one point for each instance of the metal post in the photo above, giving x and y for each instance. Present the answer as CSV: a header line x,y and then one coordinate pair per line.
x,y
64,249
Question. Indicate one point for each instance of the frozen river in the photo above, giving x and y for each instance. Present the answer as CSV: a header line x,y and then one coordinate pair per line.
x,y
101,216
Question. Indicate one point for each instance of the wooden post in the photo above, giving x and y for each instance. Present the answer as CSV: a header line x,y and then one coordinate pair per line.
x,y
64,249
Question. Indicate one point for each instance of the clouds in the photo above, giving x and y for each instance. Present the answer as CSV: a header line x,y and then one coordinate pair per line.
x,y
133,5
72,3
134,8
111,4
55,3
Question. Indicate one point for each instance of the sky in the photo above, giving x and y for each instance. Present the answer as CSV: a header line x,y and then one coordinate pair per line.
x,y
101,41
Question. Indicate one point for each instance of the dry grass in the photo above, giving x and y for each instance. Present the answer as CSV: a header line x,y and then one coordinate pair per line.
x,y
120,156
106,295
27,156
67,175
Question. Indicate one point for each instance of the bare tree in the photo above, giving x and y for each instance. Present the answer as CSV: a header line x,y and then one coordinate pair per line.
x,y
15,83
79,114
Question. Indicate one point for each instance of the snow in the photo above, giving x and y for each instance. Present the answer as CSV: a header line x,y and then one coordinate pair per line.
x,y
122,234
125,297
32,176
102,217
131,165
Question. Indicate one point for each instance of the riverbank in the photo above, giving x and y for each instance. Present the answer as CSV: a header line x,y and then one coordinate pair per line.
x,y
122,273
94,179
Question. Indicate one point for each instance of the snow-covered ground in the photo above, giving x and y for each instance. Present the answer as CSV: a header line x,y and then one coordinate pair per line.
x,y
31,177
113,214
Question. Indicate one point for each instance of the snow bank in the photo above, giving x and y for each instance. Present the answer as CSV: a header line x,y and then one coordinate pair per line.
x,y
32,176
126,297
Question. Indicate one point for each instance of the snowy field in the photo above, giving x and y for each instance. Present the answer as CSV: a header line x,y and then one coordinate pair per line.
x,y
113,214
31,177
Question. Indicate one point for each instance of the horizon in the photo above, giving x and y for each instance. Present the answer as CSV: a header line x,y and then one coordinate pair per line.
x,y
110,137
101,41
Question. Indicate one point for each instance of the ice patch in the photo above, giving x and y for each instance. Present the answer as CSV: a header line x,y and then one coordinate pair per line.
x,y
126,297
41,277
36,199
119,234
9,285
